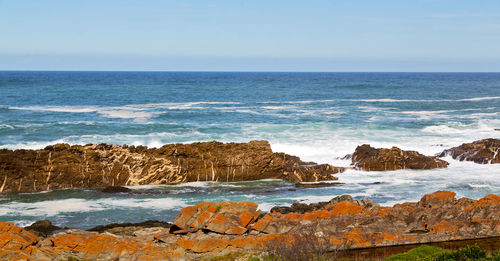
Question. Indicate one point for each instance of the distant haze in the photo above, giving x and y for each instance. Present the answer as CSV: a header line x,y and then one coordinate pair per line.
x,y
258,35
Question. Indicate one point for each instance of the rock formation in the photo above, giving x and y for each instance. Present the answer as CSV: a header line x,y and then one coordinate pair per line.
x,y
90,166
482,151
210,229
368,158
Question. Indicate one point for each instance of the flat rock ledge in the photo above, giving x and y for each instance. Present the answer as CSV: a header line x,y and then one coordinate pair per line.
x,y
94,166
485,151
212,229
368,158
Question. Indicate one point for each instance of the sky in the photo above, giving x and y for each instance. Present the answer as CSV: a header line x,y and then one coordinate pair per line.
x,y
256,35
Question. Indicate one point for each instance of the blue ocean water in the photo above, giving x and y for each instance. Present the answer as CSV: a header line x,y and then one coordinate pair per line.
x,y
318,116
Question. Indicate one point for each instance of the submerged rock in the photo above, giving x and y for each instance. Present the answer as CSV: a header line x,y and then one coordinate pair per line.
x,y
115,189
317,185
371,159
92,166
42,228
482,151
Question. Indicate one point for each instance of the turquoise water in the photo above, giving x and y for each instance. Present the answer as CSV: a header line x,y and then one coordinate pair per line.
x,y
318,116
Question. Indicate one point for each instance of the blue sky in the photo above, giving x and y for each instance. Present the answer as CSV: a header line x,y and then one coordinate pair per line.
x,y
258,35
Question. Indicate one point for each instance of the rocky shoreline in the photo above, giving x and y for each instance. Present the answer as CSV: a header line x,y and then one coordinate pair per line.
x,y
211,229
91,166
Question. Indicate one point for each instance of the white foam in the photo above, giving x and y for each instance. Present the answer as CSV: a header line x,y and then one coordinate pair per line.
x,y
76,205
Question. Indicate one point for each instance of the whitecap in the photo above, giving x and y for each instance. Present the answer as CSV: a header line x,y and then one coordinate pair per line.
x,y
481,98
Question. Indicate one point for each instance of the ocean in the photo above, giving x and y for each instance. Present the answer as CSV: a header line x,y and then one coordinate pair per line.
x,y
319,117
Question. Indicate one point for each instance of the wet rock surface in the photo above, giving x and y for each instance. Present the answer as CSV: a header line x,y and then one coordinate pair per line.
x,y
368,158
212,229
485,151
93,166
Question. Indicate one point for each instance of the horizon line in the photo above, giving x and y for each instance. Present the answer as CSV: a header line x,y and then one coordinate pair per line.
x,y
244,71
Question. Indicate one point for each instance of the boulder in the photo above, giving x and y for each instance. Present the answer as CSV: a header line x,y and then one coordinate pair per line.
x,y
223,218
485,151
368,158
94,166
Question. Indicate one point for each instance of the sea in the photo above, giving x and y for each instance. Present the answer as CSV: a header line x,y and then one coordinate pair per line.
x,y
319,117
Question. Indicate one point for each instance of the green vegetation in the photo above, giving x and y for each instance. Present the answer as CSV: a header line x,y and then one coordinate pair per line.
x,y
417,253
431,253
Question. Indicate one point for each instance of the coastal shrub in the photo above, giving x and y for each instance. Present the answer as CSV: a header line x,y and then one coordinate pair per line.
x,y
464,254
303,246
227,257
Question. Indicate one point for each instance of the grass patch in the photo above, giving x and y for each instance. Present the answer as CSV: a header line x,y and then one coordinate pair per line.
x,y
432,253
416,253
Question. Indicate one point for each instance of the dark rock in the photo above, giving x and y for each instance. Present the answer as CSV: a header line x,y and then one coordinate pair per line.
x,y
115,189
42,228
92,166
371,159
145,224
317,185
481,151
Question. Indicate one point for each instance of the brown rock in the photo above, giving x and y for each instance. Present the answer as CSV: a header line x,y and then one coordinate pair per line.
x,y
91,166
371,159
482,151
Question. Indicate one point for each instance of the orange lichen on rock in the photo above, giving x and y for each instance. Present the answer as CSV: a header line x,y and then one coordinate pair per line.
x,y
224,217
444,227
15,242
437,199
346,208
490,199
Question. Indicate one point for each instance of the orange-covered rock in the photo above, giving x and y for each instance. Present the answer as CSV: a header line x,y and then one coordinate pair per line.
x,y
437,199
368,158
225,217
15,242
